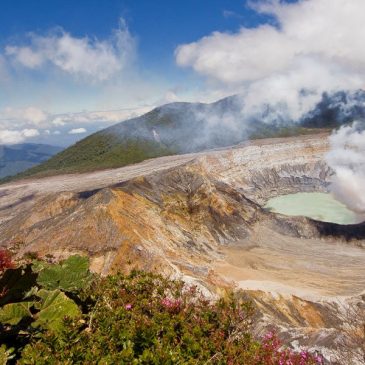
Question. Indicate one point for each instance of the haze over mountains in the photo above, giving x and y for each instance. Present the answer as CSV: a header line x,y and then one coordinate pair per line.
x,y
190,127
17,158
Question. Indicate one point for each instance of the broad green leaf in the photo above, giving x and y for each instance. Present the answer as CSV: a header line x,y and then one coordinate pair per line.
x,y
13,313
39,265
53,308
15,283
71,275
50,277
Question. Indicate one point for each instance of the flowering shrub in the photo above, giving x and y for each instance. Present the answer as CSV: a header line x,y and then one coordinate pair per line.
x,y
171,305
5,261
147,319
273,353
141,318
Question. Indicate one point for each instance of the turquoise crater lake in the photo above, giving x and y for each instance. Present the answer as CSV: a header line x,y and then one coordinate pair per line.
x,y
320,206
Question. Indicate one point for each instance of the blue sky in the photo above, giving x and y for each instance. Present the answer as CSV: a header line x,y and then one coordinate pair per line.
x,y
68,68
157,28
160,26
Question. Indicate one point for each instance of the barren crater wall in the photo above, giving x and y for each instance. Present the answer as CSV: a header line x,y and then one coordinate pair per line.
x,y
264,170
196,201
287,179
193,202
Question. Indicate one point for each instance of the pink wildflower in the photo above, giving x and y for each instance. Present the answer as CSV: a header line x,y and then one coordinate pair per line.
x,y
128,306
171,304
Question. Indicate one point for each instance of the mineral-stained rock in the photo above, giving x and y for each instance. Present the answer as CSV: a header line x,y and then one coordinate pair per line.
x,y
200,217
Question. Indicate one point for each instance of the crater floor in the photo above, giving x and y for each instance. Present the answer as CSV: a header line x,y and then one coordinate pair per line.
x,y
308,268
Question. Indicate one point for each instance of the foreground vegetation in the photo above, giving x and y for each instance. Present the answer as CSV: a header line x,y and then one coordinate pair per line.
x,y
62,314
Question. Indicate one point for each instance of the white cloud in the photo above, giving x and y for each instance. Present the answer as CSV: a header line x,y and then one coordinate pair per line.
x,y
59,121
103,117
13,136
317,46
90,59
77,131
28,133
25,56
20,124
31,115
10,137
77,73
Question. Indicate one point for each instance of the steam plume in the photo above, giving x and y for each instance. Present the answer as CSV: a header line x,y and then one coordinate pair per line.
x,y
347,159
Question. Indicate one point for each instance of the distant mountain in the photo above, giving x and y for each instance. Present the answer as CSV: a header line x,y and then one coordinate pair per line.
x,y
17,158
190,127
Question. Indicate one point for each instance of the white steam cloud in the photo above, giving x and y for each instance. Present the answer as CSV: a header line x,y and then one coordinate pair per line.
x,y
347,159
315,46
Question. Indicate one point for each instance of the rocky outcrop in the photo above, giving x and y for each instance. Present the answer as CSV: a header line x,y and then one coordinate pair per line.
x,y
161,220
326,326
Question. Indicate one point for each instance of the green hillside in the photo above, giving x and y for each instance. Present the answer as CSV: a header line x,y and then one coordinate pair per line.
x,y
98,152
170,129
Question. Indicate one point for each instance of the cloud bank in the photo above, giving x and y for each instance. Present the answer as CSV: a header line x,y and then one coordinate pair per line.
x,y
315,46
30,116
16,136
20,124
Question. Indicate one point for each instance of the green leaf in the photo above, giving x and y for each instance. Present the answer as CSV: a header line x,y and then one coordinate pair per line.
x,y
71,275
53,308
39,265
31,292
15,283
13,313
6,354
50,277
